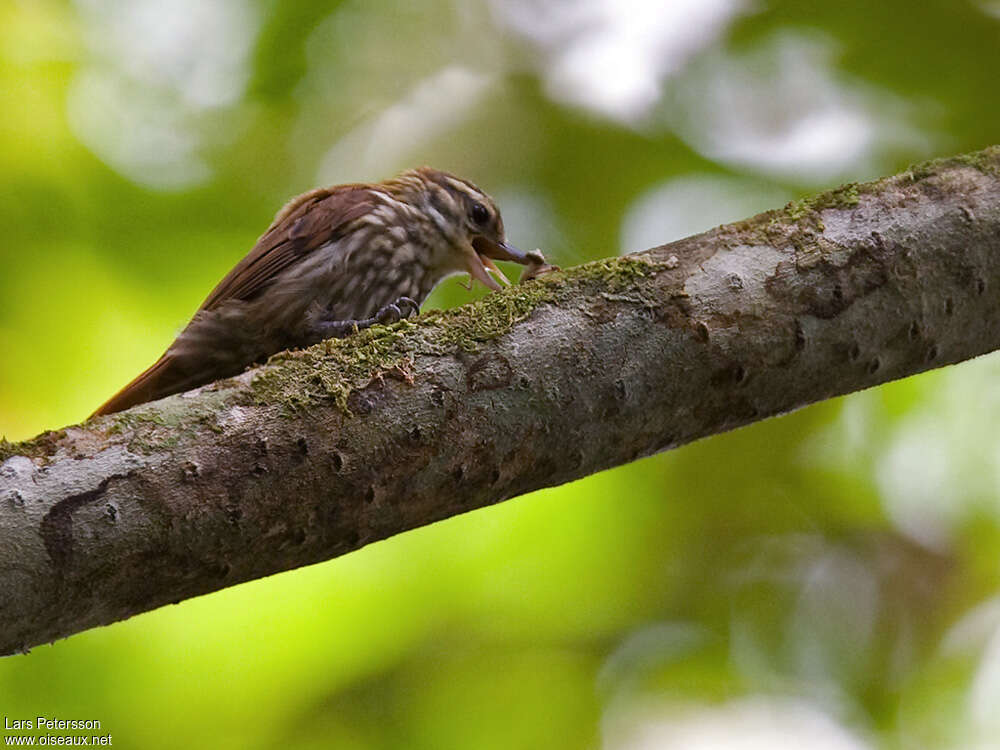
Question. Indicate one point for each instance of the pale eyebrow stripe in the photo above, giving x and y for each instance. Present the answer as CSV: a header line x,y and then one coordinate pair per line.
x,y
464,187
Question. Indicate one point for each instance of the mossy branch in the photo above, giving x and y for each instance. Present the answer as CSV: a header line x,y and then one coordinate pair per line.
x,y
323,451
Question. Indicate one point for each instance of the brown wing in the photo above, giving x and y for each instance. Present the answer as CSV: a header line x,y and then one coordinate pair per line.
x,y
306,223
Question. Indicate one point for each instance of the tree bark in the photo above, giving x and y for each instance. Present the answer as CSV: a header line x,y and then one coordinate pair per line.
x,y
322,451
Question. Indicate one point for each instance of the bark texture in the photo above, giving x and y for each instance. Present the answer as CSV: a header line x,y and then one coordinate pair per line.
x,y
323,451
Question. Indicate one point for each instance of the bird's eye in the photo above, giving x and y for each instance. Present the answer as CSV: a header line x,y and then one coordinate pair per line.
x,y
479,214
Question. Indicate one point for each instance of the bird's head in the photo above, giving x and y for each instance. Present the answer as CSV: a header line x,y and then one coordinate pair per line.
x,y
466,216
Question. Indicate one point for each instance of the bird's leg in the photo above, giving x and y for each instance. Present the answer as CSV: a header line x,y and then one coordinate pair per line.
x,y
402,308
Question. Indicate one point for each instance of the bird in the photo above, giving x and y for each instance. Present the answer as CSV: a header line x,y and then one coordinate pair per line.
x,y
334,261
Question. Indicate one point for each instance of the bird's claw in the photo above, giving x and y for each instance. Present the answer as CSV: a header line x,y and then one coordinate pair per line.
x,y
407,306
388,314
402,308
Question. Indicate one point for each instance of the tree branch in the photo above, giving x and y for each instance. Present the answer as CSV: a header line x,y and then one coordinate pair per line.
x,y
323,451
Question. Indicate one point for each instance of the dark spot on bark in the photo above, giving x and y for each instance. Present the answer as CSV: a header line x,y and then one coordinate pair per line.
x,y
370,494
825,289
495,475
437,397
489,373
222,569
873,366
415,435
524,382
854,352
233,514
620,390
361,402
366,400
914,332
701,330
610,408
111,512
261,447
800,336
949,306
980,286
338,462
735,282
258,470
457,473
878,241
578,459
676,313
733,374
57,525
353,539
190,471
299,537
601,311
932,188
932,353
15,498
303,446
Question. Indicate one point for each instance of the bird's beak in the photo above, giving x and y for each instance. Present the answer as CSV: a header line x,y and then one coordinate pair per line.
x,y
484,252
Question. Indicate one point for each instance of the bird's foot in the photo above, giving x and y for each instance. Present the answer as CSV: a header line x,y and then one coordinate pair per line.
x,y
394,312
402,308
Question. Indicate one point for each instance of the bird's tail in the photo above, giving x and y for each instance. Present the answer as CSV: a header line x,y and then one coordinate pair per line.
x,y
161,379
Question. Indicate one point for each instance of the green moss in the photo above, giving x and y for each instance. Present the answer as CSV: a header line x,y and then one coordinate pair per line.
x,y
798,223
130,420
468,326
806,211
41,446
333,369
8,449
162,425
845,196
614,273
986,161
330,370
145,428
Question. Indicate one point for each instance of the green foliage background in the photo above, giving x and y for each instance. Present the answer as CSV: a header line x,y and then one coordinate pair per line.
x,y
827,579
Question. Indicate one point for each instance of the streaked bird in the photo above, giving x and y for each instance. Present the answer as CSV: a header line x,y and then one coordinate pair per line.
x,y
335,260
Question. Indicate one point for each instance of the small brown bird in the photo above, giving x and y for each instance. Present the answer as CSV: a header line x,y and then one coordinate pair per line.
x,y
335,260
